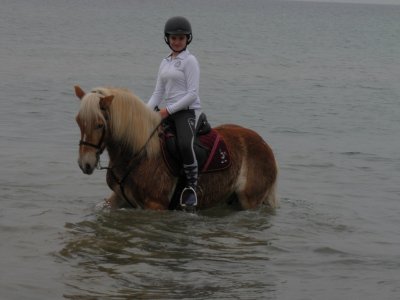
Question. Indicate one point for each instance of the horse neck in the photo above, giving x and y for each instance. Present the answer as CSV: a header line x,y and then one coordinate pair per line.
x,y
137,133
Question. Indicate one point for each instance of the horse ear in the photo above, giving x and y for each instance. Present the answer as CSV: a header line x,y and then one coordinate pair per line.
x,y
106,102
79,92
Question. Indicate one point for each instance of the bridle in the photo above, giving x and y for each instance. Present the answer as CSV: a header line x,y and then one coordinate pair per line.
x,y
100,145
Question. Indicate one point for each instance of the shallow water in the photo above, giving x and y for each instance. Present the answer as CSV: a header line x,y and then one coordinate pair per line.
x,y
318,81
168,255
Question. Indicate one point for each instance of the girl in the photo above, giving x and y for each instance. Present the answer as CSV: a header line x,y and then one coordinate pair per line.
x,y
178,85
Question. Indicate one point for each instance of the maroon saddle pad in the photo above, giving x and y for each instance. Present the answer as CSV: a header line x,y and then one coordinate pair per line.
x,y
211,152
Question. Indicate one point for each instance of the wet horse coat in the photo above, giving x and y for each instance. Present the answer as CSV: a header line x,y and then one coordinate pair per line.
x,y
116,120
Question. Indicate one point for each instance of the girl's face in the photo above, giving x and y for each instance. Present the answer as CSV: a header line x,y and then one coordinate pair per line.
x,y
178,42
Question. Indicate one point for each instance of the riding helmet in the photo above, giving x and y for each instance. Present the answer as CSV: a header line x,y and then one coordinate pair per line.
x,y
178,25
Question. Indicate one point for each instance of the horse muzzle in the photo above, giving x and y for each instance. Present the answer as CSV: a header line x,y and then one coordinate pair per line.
x,y
87,163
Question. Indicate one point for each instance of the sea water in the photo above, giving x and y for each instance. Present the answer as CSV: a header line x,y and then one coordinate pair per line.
x,y
318,81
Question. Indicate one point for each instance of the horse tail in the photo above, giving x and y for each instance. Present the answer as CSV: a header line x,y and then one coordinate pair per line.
x,y
271,199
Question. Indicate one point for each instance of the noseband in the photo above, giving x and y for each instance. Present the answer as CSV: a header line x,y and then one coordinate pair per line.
x,y
131,165
99,147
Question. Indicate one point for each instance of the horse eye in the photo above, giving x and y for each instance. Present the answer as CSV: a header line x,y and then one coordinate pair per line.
x,y
99,126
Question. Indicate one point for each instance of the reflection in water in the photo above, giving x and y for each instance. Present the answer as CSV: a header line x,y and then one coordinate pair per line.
x,y
155,255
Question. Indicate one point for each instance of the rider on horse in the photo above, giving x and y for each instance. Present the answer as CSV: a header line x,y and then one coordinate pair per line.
x,y
178,85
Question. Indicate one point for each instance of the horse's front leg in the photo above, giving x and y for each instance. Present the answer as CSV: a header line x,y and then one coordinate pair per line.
x,y
155,205
113,201
159,199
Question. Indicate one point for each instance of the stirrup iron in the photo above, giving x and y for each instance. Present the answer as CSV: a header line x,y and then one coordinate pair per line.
x,y
187,192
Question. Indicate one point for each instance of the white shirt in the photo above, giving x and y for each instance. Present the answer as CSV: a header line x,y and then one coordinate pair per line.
x,y
177,83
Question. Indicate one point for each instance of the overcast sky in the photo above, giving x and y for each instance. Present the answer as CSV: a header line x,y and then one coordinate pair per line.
x,y
358,1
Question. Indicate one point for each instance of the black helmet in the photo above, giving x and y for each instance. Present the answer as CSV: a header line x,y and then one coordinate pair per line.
x,y
178,25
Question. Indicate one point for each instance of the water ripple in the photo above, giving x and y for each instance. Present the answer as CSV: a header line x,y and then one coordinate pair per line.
x,y
175,251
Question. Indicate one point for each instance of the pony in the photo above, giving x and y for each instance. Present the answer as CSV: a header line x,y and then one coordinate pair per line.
x,y
116,120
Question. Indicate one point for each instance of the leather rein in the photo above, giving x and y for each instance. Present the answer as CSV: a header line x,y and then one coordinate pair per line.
x,y
133,163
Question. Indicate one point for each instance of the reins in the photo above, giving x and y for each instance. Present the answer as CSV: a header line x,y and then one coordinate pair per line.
x,y
133,163
131,166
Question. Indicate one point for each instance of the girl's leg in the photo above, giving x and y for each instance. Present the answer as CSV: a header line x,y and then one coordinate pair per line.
x,y
185,123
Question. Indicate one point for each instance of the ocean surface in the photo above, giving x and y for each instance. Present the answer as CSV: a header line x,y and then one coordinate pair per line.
x,y
319,82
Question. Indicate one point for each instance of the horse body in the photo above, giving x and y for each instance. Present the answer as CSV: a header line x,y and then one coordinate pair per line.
x,y
137,173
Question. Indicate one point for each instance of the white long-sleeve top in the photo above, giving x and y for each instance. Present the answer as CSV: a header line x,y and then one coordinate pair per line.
x,y
177,83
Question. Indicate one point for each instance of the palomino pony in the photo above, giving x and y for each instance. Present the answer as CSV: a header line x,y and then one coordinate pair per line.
x,y
116,120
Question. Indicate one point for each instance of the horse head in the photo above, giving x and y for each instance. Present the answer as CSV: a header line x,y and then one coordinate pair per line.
x,y
92,121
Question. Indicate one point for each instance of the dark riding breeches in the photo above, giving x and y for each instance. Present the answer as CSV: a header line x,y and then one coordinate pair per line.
x,y
185,124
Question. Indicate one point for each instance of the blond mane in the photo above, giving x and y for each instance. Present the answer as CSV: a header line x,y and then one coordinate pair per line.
x,y
131,121
90,112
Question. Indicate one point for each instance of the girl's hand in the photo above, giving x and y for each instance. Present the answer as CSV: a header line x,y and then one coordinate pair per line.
x,y
164,113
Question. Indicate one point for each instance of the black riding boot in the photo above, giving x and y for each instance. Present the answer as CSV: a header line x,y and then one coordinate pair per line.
x,y
189,196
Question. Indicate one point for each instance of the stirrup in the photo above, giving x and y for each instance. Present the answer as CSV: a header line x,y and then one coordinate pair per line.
x,y
188,193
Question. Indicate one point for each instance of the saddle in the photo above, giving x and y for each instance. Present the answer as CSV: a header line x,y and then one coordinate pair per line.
x,y
211,152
